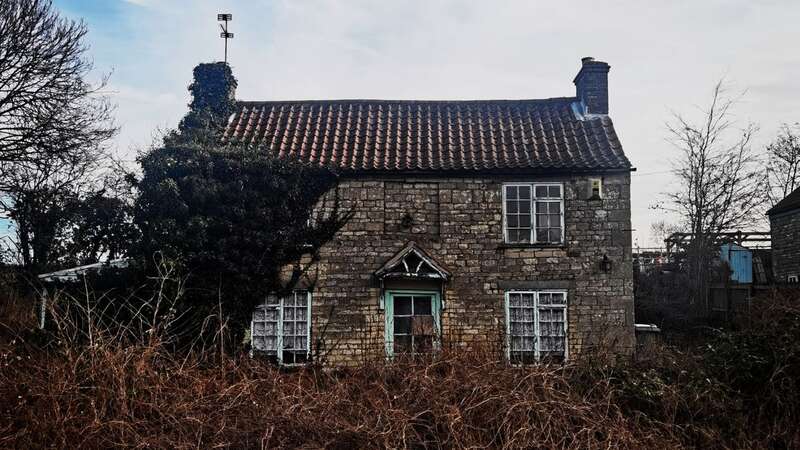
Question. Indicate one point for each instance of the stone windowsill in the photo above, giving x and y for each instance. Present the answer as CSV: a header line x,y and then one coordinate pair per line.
x,y
505,245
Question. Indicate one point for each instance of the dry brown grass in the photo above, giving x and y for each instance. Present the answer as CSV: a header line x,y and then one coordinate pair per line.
x,y
56,391
17,309
140,397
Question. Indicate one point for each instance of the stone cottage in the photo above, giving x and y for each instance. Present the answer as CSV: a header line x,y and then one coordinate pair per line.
x,y
784,223
504,222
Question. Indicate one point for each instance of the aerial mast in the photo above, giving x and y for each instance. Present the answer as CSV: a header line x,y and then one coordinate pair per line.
x,y
225,17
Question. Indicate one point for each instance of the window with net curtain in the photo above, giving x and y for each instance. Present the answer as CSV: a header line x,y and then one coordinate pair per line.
x,y
536,325
280,327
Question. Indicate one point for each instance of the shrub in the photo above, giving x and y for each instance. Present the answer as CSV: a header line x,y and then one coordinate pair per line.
x,y
113,390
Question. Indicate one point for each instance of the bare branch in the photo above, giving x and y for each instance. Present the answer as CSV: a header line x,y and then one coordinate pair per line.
x,y
719,179
783,163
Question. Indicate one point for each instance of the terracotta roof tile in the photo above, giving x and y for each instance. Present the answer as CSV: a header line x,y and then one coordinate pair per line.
x,y
419,136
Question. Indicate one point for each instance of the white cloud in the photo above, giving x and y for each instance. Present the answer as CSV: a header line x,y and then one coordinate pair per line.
x,y
142,114
139,2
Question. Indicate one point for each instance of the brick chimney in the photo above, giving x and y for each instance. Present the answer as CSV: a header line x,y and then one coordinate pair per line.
x,y
591,85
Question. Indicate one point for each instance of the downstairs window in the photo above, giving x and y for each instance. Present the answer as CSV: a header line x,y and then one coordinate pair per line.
x,y
413,322
281,327
536,325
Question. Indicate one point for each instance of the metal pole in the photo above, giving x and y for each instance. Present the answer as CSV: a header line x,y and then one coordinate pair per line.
x,y
225,34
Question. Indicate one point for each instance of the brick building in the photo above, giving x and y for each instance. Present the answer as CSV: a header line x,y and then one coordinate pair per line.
x,y
784,222
499,221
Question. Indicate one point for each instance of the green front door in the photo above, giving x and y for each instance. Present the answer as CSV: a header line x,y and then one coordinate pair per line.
x,y
413,322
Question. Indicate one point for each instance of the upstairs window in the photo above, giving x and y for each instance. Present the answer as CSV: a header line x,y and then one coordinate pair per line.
x,y
533,213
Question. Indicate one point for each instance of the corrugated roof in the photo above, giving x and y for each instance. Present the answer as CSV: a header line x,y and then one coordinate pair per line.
x,y
790,202
420,136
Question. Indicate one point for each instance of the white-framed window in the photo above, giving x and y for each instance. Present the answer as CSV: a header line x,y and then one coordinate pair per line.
x,y
791,279
533,213
536,325
281,327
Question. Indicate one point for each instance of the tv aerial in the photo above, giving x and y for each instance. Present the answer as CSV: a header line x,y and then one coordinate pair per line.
x,y
225,17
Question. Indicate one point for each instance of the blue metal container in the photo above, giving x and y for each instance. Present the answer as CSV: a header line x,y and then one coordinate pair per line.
x,y
740,261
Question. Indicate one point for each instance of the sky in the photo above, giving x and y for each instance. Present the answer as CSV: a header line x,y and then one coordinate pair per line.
x,y
665,58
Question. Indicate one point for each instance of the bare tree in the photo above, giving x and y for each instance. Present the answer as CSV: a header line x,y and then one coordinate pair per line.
x,y
783,163
660,231
47,108
68,210
54,126
37,197
719,184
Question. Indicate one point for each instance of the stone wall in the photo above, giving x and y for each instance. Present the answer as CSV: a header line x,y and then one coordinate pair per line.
x,y
458,221
785,230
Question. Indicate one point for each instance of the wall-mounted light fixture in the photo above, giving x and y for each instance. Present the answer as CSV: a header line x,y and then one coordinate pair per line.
x,y
605,264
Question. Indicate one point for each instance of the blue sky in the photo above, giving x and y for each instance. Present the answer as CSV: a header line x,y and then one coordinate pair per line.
x,y
664,56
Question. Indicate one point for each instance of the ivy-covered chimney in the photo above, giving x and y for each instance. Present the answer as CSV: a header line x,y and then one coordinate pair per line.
x,y
591,85
213,98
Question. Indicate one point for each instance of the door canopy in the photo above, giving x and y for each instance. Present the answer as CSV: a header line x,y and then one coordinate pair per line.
x,y
412,262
